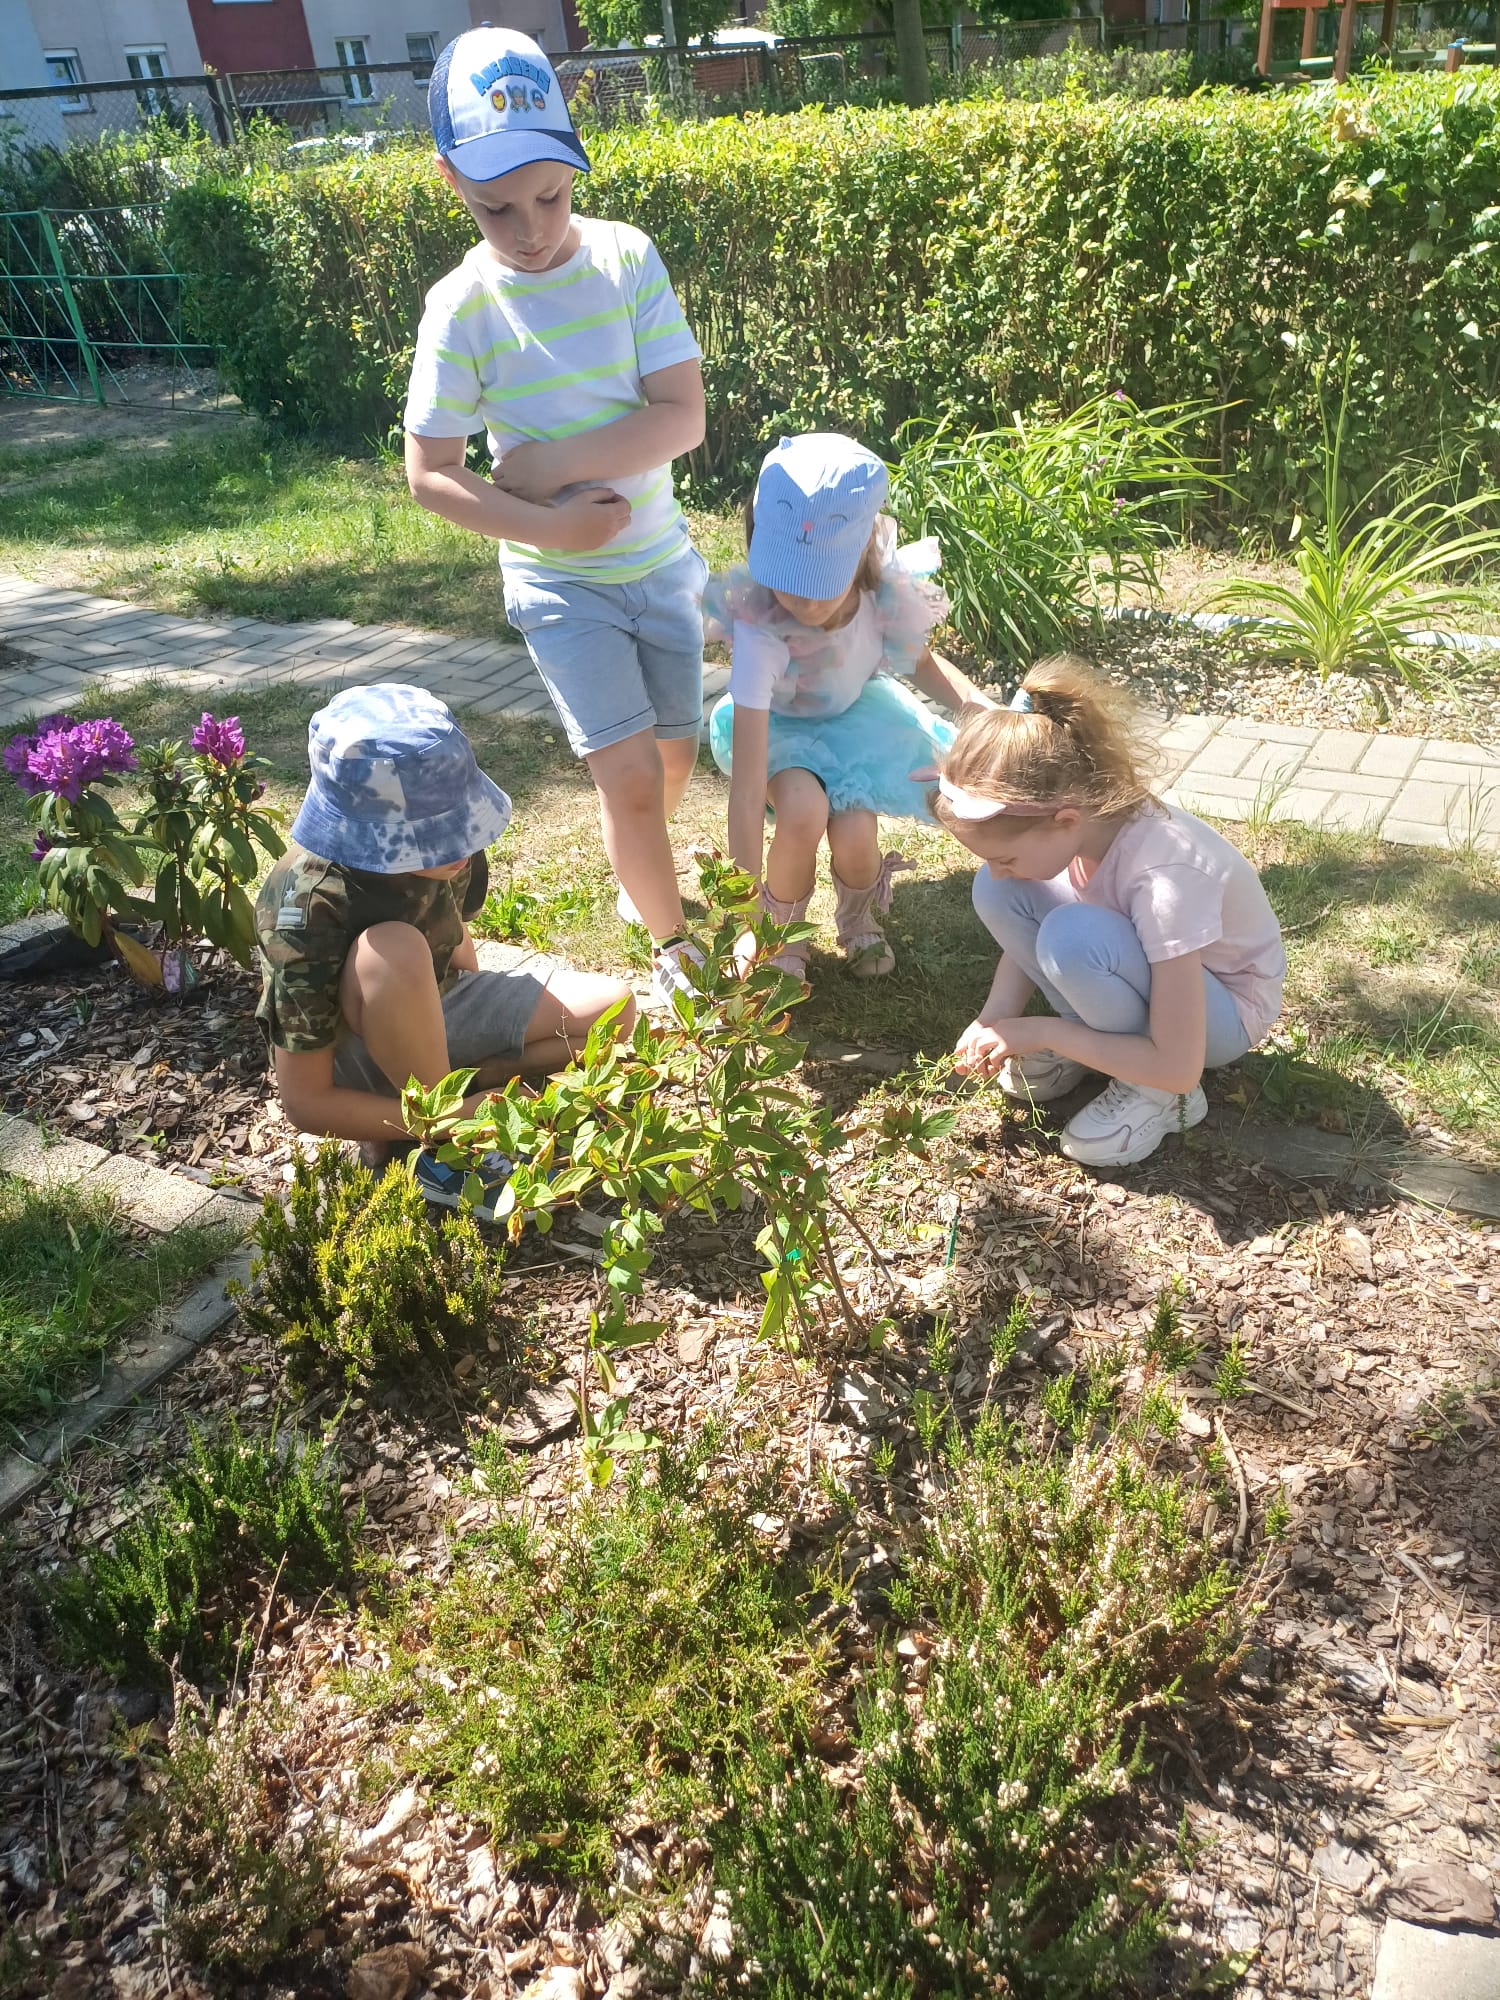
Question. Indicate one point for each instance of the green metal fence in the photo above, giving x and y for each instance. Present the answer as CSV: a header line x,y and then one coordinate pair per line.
x,y
92,311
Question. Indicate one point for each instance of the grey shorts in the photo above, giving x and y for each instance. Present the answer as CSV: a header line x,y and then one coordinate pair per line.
x,y
486,1015
618,658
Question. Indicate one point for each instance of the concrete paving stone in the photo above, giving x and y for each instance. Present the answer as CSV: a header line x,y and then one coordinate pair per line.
x,y
510,702
1354,812
1219,798
1185,733
1471,778
1222,755
154,1199
1430,804
1269,732
1391,756
1413,832
1350,784
1415,1962
1463,753
1273,761
37,1156
1301,804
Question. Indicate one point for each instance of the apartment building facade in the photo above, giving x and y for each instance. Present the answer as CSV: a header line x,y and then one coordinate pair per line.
x,y
78,42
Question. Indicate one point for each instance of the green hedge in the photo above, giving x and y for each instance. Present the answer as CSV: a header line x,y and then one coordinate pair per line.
x,y
854,269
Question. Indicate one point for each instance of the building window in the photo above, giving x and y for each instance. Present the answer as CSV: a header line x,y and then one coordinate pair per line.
x,y
63,66
353,53
149,60
421,53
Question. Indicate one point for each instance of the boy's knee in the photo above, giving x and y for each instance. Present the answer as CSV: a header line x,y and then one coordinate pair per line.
x,y
385,953
631,777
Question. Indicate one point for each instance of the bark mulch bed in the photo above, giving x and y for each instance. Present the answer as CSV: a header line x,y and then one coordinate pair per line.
x,y
1358,1738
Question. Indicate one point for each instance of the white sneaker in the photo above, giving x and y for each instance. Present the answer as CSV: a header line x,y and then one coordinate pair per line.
x,y
669,973
1038,1078
1126,1122
625,908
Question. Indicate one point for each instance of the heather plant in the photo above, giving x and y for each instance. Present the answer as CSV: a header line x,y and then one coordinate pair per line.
x,y
609,1659
243,1867
173,1592
195,841
698,1115
1057,1599
354,1275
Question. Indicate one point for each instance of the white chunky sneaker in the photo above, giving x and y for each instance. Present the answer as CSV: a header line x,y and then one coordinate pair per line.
x,y
1037,1079
1126,1122
669,973
625,908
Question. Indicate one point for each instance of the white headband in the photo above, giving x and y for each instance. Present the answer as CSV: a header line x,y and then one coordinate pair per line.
x,y
969,805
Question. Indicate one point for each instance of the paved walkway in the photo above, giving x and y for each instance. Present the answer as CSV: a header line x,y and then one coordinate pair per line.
x,y
1405,788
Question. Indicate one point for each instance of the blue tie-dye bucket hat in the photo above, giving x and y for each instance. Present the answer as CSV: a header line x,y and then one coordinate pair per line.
x,y
395,785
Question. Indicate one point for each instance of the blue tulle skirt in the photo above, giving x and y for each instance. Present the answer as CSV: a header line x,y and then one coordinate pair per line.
x,y
863,757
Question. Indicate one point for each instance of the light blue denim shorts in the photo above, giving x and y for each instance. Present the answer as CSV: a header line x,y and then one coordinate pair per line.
x,y
618,658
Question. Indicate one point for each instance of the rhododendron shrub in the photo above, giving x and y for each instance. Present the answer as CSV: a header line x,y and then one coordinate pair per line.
x,y
179,864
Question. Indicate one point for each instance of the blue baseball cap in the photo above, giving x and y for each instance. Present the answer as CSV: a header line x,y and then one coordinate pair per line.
x,y
395,785
816,504
496,104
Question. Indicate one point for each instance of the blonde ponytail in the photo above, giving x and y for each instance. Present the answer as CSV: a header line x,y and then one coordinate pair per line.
x,y
1081,741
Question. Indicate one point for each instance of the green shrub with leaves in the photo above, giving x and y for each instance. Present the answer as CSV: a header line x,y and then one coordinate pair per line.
x,y
854,270
183,1575
1057,1598
698,1116
244,1868
618,1657
1049,518
356,1275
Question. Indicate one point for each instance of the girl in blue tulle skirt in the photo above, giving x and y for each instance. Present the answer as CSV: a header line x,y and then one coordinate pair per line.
x,y
827,622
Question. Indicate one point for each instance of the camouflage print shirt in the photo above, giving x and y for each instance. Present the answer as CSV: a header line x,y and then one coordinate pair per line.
x,y
310,911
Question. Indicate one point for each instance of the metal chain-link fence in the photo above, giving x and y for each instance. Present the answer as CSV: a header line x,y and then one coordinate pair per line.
x,y
364,104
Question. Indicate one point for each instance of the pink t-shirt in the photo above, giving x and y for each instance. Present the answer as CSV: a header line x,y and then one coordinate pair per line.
x,y
1186,888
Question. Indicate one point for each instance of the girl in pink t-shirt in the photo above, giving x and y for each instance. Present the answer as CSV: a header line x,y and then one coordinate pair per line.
x,y
1148,934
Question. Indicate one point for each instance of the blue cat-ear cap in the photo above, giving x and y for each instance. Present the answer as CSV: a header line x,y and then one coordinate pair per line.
x,y
816,504
395,784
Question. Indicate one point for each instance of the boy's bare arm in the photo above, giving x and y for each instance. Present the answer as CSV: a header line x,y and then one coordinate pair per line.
x,y
671,423
440,482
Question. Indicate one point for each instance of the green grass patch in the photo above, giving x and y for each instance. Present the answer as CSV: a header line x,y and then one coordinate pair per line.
x,y
1392,1009
185,1573
73,1274
240,520
613,1662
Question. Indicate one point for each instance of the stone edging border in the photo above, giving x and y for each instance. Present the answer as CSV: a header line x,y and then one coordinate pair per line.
x,y
158,1201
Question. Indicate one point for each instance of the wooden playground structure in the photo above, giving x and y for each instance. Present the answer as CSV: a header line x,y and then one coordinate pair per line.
x,y
1309,65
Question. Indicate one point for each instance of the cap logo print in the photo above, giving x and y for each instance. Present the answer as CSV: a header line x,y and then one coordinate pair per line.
x,y
485,79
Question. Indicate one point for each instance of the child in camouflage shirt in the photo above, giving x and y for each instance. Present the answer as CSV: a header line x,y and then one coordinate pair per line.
x,y
369,974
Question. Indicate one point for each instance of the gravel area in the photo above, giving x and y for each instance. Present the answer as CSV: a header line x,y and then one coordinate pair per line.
x,y
1184,671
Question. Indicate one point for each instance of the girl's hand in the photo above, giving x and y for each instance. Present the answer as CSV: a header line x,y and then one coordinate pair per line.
x,y
985,1045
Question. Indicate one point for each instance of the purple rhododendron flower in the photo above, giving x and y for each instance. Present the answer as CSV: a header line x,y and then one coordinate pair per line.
x,y
223,742
40,846
110,746
67,759
19,749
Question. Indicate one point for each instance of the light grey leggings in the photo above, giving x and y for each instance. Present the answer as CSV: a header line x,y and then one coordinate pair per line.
x,y
1089,965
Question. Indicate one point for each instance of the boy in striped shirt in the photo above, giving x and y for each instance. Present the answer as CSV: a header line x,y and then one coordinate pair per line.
x,y
560,336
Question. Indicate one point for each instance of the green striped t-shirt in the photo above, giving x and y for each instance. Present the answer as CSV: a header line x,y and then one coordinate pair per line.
x,y
549,354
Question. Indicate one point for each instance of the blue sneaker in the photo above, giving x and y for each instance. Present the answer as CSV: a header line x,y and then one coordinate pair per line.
x,y
444,1185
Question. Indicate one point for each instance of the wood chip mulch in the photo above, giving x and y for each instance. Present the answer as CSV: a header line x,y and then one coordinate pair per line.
x,y
1356,1746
